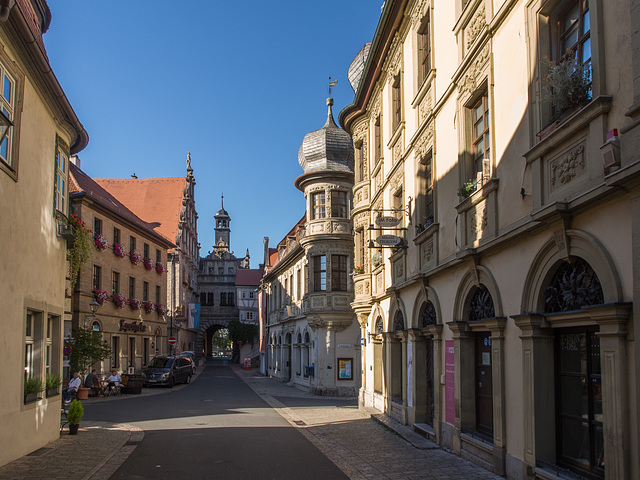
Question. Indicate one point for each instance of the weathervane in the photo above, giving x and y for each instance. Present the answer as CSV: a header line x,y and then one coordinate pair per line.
x,y
332,84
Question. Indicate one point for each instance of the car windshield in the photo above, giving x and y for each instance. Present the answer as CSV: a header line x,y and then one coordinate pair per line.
x,y
160,362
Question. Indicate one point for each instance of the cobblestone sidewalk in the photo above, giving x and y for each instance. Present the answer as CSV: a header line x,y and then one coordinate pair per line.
x,y
360,447
95,453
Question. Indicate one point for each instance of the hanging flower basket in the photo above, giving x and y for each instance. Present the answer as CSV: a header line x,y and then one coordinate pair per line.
x,y
148,306
161,309
135,257
119,300
159,268
148,263
101,296
100,242
118,250
135,304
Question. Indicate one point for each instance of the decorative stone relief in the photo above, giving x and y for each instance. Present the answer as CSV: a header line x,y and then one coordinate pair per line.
x,y
379,282
361,219
367,288
427,251
317,302
425,142
375,106
340,301
378,179
566,168
398,148
399,268
477,23
392,62
397,181
477,219
418,12
317,228
340,227
359,288
426,106
470,81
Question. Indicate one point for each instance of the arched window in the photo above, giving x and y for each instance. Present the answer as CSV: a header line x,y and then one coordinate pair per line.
x,y
379,326
427,315
481,304
573,286
398,322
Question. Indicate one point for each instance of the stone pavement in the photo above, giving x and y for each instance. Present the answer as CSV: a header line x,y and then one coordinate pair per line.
x,y
363,444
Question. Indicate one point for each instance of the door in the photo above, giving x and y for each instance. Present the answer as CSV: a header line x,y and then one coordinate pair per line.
x,y
484,387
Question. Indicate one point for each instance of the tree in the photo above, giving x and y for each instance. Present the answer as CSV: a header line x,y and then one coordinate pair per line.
x,y
87,348
240,333
221,339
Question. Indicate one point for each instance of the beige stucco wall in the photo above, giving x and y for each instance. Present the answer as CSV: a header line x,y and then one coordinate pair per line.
x,y
33,269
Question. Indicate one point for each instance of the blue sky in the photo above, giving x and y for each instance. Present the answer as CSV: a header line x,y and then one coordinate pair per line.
x,y
237,84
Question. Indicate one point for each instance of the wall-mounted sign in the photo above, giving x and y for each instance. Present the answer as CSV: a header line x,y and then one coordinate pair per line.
x,y
344,369
387,221
388,240
132,327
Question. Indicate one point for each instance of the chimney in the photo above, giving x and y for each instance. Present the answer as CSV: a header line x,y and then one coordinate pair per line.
x,y
266,251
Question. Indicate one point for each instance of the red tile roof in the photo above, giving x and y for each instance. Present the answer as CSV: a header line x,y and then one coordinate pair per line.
x,y
81,183
156,200
246,277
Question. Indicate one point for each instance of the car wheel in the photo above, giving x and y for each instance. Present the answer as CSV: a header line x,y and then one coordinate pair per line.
x,y
188,379
171,382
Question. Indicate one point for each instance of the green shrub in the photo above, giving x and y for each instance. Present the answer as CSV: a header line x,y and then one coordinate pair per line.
x,y
75,413
52,381
32,385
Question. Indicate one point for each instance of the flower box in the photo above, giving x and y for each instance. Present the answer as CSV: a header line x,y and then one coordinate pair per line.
x,y
101,296
100,242
119,300
148,306
135,304
159,268
148,263
135,257
118,250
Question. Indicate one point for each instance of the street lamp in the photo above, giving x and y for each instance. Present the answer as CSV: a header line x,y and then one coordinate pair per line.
x,y
93,306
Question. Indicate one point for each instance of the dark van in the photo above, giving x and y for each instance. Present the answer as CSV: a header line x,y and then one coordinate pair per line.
x,y
168,370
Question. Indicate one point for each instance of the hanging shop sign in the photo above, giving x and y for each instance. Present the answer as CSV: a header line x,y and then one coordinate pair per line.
x,y
387,221
132,327
388,240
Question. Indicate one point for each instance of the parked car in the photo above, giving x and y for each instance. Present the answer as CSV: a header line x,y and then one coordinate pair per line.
x,y
168,370
191,356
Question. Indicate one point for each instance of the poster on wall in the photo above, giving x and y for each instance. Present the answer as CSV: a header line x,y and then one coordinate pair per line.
x,y
193,320
344,369
449,379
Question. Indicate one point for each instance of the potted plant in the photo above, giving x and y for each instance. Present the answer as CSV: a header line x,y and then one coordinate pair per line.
x,y
135,304
161,309
148,263
567,85
32,387
101,296
87,348
100,242
148,306
359,269
52,382
135,257
467,188
74,415
80,248
159,268
118,250
119,299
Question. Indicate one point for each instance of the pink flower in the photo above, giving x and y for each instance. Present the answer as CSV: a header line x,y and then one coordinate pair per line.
x,y
148,306
135,257
162,309
119,300
159,268
101,296
100,242
148,263
135,304
118,250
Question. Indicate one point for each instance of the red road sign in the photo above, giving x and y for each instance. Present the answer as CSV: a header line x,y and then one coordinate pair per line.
x,y
172,340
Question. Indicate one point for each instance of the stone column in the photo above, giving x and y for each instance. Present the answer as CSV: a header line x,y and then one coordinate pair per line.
x,y
464,380
416,404
538,396
438,371
612,320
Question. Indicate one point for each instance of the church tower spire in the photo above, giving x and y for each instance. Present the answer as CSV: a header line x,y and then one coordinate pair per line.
x,y
222,229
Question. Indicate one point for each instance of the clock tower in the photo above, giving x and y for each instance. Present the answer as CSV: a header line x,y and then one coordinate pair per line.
x,y
223,231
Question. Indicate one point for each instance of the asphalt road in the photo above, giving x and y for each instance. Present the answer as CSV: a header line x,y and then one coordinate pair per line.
x,y
214,428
